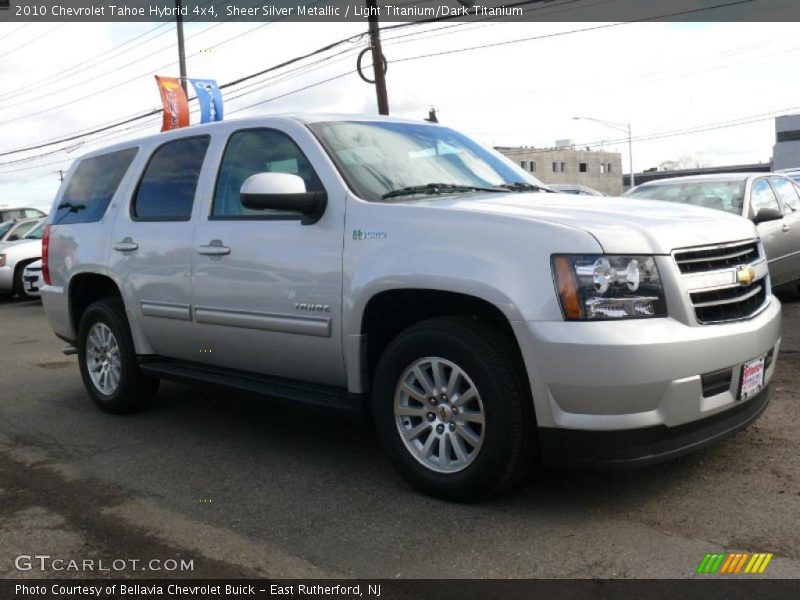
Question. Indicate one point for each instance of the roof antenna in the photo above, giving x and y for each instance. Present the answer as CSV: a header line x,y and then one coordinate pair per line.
x,y
432,116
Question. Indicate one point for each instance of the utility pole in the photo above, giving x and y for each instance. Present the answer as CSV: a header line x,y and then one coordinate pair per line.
x,y
181,48
377,58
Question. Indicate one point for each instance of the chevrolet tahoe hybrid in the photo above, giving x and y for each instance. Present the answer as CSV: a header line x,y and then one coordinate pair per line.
x,y
399,268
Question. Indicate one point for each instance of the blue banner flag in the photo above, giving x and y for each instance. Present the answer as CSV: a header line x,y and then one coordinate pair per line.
x,y
210,99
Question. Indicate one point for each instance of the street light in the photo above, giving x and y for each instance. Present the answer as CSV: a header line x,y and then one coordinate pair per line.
x,y
625,128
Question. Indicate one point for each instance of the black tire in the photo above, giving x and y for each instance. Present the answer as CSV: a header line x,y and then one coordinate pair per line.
x,y
19,285
134,391
489,360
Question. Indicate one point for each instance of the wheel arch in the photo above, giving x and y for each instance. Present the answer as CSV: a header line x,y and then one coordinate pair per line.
x,y
389,312
87,287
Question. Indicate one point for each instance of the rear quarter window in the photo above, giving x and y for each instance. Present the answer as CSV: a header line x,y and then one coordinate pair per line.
x,y
92,187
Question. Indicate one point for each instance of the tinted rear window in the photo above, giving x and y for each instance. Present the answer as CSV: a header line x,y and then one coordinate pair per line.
x,y
92,186
166,192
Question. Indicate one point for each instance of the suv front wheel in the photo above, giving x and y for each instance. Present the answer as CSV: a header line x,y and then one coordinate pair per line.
x,y
452,409
107,360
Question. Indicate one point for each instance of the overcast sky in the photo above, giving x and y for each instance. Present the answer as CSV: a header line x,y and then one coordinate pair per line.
x,y
661,77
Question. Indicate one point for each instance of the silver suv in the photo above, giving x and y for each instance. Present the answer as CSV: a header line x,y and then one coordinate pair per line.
x,y
399,267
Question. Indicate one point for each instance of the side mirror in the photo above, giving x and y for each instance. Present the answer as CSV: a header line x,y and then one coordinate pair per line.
x,y
767,214
283,191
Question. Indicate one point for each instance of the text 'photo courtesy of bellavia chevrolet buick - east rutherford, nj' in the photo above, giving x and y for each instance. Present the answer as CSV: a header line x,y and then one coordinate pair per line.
x,y
328,318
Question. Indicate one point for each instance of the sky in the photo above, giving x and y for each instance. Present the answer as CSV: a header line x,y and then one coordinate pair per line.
x,y
58,79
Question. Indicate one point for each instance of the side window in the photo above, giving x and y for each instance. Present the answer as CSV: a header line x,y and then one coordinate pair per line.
x,y
32,213
258,151
762,196
23,228
786,191
92,186
166,191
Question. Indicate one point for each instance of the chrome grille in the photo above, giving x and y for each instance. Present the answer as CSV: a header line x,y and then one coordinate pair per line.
x,y
716,258
712,277
728,304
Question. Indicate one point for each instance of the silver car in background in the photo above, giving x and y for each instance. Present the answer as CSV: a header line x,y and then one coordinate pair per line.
x,y
14,257
12,231
770,200
574,188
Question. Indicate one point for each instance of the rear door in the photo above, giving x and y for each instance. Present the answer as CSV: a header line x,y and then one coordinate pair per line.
x,y
152,245
777,243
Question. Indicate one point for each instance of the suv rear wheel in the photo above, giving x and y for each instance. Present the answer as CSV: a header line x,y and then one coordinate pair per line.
x,y
453,410
107,360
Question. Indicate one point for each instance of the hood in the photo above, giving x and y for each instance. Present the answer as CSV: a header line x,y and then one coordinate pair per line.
x,y
620,225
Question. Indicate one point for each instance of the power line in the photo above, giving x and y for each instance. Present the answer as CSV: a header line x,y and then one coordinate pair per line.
x,y
350,38
562,33
69,71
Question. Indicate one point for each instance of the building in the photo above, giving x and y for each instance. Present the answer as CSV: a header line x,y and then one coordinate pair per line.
x,y
565,164
786,152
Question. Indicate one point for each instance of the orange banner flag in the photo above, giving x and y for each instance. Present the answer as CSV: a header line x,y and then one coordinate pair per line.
x,y
176,105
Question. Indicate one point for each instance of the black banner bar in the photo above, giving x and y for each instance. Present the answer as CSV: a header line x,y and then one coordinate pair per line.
x,y
399,10
711,588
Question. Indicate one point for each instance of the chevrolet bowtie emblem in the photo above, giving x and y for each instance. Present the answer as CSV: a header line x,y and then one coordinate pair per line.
x,y
745,275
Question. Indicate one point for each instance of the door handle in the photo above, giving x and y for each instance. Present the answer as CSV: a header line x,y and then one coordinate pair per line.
x,y
785,228
126,245
214,248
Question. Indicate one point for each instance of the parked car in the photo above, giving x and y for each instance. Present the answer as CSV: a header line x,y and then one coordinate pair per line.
x,y
14,257
346,261
11,231
574,188
770,200
32,279
793,174
14,214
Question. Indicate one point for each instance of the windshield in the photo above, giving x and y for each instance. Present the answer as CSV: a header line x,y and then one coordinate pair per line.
x,y
36,233
377,158
721,195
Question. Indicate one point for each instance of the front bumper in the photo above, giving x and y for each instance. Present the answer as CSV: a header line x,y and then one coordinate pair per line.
x,y
640,447
615,376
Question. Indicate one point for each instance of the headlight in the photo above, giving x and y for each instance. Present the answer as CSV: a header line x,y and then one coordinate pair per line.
x,y
598,286
2,260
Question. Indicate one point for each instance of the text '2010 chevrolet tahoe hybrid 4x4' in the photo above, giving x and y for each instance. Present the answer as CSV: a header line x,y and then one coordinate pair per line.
x,y
369,262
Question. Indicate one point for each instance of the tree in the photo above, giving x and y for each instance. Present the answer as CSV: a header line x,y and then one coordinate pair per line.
x,y
687,161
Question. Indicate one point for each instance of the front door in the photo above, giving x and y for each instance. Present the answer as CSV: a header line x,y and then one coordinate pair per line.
x,y
777,243
268,289
790,227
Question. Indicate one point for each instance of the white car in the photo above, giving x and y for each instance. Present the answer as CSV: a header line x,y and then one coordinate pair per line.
x,y
14,257
12,231
32,279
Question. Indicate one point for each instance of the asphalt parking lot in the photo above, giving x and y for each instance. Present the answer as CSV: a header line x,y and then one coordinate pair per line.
x,y
243,487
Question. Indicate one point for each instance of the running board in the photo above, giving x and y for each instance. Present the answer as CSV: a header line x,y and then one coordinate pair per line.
x,y
313,394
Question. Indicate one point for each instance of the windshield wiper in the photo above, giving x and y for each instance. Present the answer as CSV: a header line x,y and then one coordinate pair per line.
x,y
72,207
437,188
520,186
